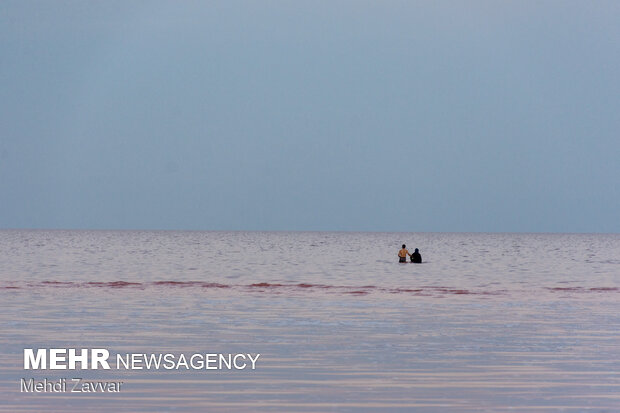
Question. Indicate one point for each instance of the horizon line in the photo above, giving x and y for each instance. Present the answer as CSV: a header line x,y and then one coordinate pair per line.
x,y
302,230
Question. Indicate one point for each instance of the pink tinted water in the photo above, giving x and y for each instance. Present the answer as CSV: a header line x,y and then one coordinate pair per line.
x,y
489,322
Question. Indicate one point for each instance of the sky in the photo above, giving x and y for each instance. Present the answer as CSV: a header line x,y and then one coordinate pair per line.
x,y
446,116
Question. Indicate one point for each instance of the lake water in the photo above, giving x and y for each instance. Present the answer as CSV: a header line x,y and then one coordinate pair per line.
x,y
488,323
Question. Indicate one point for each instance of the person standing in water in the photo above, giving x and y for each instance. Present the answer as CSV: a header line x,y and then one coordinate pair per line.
x,y
416,257
402,254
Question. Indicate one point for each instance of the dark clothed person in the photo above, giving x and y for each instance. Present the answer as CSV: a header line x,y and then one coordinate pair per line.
x,y
416,257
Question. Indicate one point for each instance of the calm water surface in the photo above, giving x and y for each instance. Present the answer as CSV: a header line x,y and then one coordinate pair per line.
x,y
488,323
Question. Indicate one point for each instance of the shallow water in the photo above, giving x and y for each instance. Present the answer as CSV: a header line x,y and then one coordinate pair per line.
x,y
489,322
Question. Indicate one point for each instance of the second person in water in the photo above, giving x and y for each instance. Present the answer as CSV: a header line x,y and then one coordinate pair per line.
x,y
416,257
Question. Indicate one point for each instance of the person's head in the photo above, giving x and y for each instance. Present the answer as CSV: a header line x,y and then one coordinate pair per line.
x,y
416,250
404,246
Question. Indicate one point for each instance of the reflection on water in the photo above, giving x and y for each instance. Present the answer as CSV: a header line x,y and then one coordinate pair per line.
x,y
490,322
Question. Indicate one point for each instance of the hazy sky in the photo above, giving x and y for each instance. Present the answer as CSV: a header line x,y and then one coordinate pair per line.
x,y
311,115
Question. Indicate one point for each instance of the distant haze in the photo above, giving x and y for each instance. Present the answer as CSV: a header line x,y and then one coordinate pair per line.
x,y
311,115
